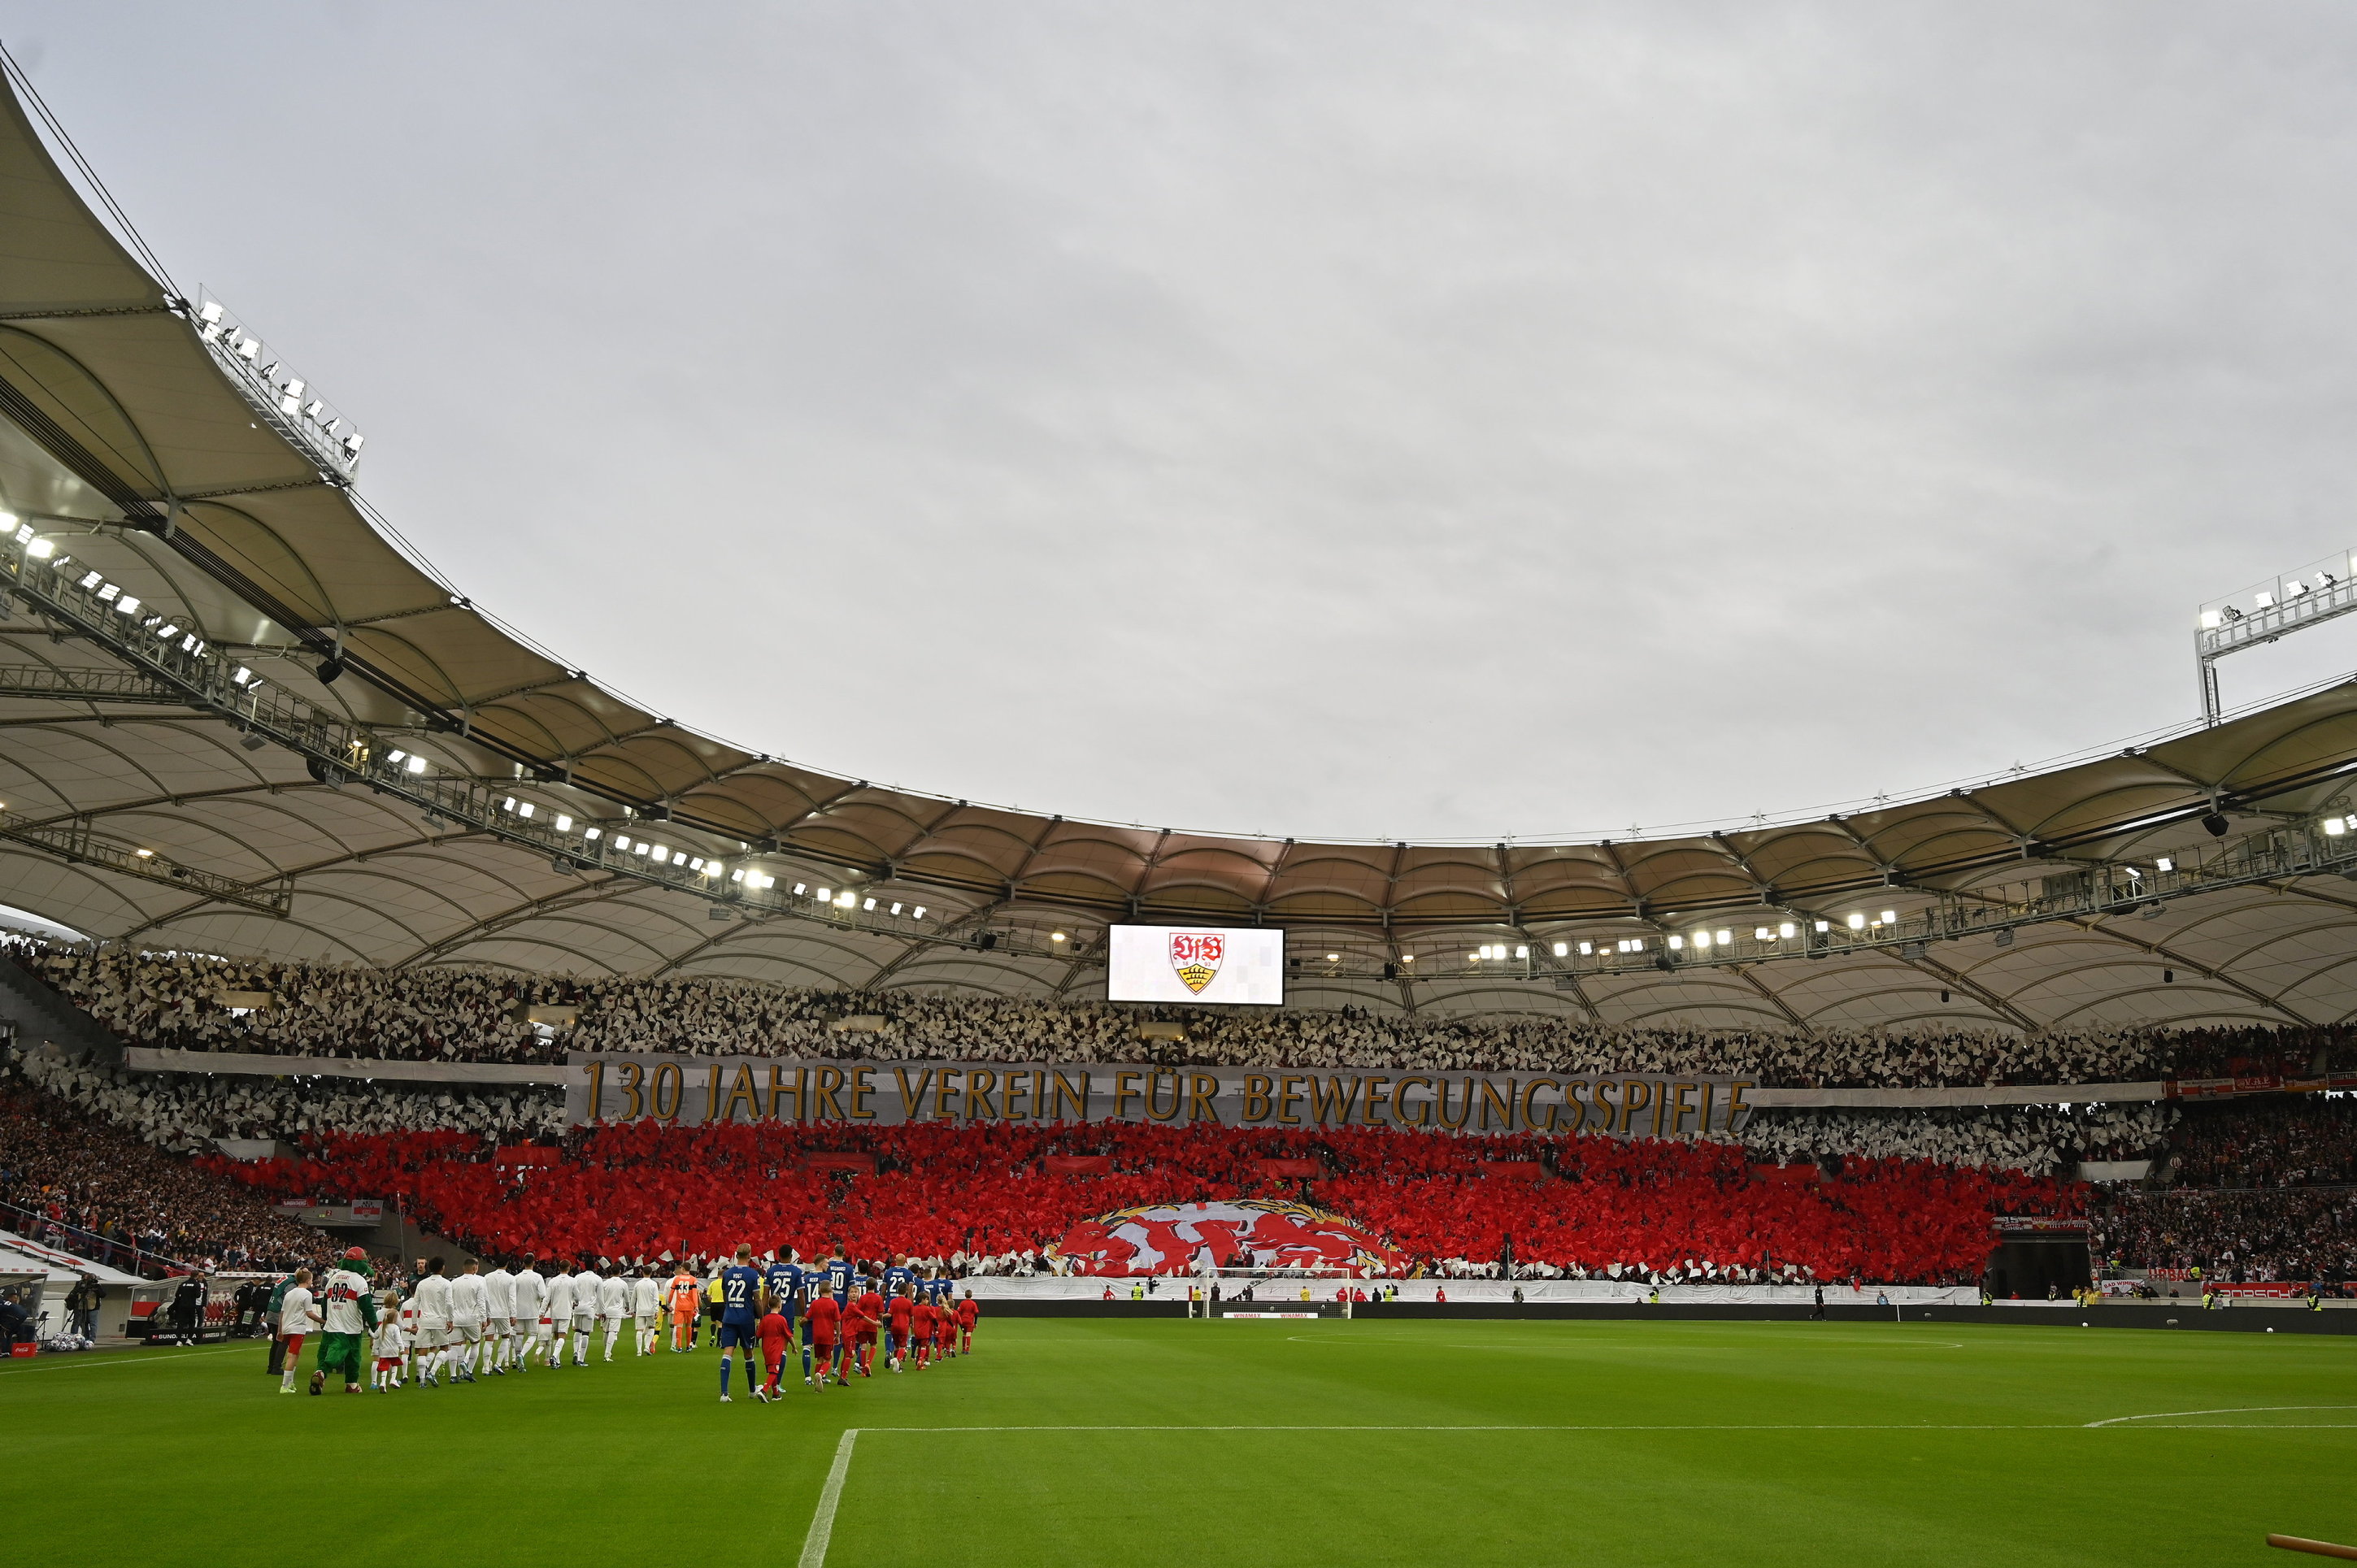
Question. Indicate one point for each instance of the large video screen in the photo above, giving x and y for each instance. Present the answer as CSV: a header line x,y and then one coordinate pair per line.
x,y
1196,964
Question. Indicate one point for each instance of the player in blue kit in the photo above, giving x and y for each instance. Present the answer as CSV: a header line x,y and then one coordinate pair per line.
x,y
898,1274
839,1275
740,1311
941,1290
783,1281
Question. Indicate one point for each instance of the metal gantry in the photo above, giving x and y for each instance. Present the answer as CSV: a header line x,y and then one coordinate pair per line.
x,y
2266,612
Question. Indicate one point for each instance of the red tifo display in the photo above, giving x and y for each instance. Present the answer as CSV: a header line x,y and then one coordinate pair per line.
x,y
643,1189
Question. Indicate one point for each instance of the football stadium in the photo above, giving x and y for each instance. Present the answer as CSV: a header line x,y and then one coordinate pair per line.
x,y
397,1018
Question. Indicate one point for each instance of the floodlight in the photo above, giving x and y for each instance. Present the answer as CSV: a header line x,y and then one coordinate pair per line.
x,y
1522,952
564,824
167,633
896,908
352,444
2335,826
89,580
1586,949
241,676
128,605
524,808
1889,917
1333,958
145,853
1787,930
825,895
592,832
917,913
1702,939
1857,922
1762,934
396,755
2263,601
1725,938
210,313
1825,926
40,548
106,594
846,901
798,889
866,905
2164,864
1563,949
1472,958
416,763
1676,943
8,520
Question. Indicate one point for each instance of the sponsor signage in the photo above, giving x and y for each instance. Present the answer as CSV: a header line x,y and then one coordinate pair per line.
x,y
2039,1225
629,1086
1240,966
1190,1237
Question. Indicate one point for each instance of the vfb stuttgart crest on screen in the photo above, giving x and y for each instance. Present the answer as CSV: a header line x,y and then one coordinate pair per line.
x,y
1196,956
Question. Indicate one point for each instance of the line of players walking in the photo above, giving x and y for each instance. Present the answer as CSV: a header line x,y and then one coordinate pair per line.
x,y
456,1328
844,1308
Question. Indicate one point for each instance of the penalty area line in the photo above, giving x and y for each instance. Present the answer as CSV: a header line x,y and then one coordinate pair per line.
x,y
120,1359
821,1525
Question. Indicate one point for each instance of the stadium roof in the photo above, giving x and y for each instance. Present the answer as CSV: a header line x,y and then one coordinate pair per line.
x,y
127,445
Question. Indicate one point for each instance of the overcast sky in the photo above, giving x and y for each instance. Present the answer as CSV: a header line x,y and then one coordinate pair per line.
x,y
1397,421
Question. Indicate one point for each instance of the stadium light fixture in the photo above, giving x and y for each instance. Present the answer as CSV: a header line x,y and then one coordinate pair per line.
x,y
128,605
40,548
396,755
1857,922
1824,926
1586,949
1563,949
594,834
1676,945
1787,930
800,888
2164,864
2334,827
1472,958
1725,938
1702,939
917,913
1891,917
564,823
145,853
866,905
846,901
1333,958
1762,934
896,908
89,580
825,895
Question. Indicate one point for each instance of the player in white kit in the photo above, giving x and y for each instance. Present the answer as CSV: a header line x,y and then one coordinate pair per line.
x,y
498,1320
531,1302
469,1305
646,1308
613,1306
557,1315
431,1296
585,1312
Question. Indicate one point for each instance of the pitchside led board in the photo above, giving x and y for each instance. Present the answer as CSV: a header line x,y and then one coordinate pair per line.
x,y
1196,964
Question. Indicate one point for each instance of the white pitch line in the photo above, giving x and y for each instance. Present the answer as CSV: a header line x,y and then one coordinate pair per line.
x,y
2233,1410
821,1525
119,1360
1699,1426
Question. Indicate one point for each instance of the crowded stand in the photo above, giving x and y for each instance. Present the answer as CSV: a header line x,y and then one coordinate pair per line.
x,y
2043,1139
998,1197
194,1001
2232,1235
182,1110
2271,1141
92,1189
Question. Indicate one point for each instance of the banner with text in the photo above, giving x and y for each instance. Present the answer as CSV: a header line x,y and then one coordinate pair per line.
x,y
617,1087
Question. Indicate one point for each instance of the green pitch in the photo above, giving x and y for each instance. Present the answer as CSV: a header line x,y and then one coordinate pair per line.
x,y
1082,1442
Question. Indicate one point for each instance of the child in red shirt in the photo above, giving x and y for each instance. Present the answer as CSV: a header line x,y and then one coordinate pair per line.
x,y
928,1321
967,1311
899,1323
776,1334
824,1319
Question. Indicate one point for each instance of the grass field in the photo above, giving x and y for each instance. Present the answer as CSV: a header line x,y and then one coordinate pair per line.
x,y
1082,1442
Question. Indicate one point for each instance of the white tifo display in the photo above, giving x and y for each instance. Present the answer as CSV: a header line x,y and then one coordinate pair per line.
x,y
1196,964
